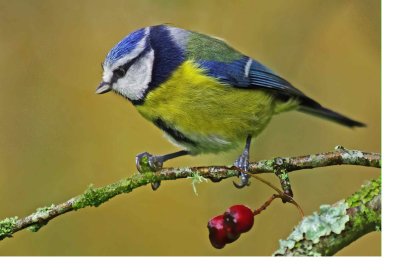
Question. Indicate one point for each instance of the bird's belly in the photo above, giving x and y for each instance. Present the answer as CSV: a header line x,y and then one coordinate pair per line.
x,y
203,115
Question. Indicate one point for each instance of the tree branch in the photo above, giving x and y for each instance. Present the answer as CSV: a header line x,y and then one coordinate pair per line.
x,y
97,196
337,225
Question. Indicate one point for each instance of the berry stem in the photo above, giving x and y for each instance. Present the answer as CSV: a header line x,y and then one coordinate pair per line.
x,y
285,197
266,204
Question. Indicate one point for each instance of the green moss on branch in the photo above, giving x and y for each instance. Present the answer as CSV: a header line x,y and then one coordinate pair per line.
x,y
7,226
94,197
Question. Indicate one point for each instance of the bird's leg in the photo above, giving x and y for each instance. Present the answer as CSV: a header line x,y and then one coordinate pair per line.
x,y
147,162
243,163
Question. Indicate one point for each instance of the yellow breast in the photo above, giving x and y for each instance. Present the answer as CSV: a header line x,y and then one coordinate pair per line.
x,y
213,115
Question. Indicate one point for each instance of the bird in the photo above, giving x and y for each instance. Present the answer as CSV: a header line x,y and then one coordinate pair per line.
x,y
203,94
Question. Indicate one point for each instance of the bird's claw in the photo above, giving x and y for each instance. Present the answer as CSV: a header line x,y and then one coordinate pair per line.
x,y
243,163
146,162
155,185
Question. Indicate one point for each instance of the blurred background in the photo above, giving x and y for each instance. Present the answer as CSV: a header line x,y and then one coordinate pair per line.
x,y
57,136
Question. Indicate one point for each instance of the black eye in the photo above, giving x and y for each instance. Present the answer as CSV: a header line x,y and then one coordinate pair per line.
x,y
119,72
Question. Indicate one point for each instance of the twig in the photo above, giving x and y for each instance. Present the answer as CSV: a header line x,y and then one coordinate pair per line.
x,y
97,196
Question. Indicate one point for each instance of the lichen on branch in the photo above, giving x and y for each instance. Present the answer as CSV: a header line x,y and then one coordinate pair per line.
x,y
337,225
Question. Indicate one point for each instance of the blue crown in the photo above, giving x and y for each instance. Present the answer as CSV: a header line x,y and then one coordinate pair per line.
x,y
125,46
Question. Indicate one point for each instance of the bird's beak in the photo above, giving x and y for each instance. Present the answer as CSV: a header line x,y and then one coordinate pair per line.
x,y
103,88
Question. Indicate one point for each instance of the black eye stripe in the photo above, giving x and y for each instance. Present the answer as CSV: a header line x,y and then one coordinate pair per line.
x,y
121,70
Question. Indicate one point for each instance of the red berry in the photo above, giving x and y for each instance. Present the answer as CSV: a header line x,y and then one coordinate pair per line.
x,y
219,233
240,218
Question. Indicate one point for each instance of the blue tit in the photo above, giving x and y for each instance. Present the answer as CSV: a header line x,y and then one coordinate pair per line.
x,y
206,96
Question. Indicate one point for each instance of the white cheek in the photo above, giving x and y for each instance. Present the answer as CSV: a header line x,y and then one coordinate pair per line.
x,y
135,82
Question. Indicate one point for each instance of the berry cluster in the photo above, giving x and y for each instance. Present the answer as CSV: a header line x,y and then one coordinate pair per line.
x,y
227,228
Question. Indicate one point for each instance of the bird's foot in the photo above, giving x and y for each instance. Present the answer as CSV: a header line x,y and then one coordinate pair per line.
x,y
243,163
146,162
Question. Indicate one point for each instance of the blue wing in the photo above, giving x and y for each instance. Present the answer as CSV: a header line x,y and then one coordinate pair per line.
x,y
230,67
248,73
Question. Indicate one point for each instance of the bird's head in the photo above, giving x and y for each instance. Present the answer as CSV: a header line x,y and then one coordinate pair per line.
x,y
127,68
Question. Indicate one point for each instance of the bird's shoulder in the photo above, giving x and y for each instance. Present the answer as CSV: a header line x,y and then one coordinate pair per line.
x,y
204,47
194,45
